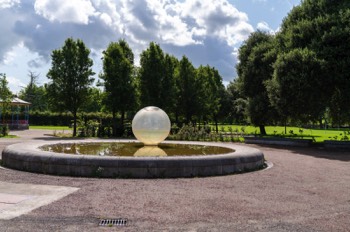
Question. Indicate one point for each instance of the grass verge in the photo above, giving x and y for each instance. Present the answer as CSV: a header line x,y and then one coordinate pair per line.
x,y
318,135
50,128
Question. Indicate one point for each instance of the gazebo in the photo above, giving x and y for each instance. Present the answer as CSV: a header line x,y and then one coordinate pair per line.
x,y
15,114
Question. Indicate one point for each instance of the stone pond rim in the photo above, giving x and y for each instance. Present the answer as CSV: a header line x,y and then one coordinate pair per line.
x,y
28,157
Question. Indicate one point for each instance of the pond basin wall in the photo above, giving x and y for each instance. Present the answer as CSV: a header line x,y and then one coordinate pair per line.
x,y
28,157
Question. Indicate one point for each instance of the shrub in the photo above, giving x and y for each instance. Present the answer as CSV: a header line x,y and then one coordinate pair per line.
x,y
191,132
46,118
4,130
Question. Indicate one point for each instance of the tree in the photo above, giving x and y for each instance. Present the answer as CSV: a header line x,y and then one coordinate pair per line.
x,y
5,96
236,103
256,57
151,73
94,101
210,93
217,95
34,94
323,27
168,91
156,79
187,85
296,88
118,61
70,77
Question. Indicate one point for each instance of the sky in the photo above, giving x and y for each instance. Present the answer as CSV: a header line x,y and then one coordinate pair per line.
x,y
208,32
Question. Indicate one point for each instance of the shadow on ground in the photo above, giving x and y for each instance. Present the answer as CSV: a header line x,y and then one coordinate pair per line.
x,y
317,152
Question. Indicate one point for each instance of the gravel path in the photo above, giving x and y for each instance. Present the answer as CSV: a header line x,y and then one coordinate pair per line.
x,y
307,189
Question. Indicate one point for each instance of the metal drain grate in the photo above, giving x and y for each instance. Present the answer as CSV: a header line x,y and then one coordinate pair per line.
x,y
113,222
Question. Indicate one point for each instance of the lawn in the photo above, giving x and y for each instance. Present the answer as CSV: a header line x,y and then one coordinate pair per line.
x,y
50,128
295,132
319,135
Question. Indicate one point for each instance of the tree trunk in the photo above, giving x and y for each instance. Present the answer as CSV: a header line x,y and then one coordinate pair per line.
x,y
216,125
114,125
188,118
74,124
262,130
321,125
285,127
177,118
122,122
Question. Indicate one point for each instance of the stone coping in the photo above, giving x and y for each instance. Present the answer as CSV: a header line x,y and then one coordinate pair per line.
x,y
278,141
336,145
28,157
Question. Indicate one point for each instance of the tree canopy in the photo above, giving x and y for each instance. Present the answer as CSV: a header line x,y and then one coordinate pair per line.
x,y
5,96
120,96
297,75
151,74
257,56
70,77
302,71
34,93
321,31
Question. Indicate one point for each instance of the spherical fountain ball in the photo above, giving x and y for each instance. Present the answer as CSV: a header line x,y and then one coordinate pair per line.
x,y
151,125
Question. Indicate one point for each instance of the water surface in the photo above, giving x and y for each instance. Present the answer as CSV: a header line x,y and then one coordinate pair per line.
x,y
135,149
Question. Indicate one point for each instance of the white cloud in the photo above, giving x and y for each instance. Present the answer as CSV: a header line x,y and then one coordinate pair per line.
x,y
77,11
183,23
264,26
15,84
11,55
18,61
205,31
108,12
8,3
217,18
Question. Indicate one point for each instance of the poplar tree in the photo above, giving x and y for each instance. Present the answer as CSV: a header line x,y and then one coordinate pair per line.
x,y
120,97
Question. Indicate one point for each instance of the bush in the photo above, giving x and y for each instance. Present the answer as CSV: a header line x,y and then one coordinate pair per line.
x,y
88,129
4,130
191,132
46,118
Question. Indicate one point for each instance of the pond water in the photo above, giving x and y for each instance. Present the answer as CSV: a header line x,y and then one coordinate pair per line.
x,y
135,149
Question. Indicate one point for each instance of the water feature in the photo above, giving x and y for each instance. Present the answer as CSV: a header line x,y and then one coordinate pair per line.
x,y
135,149
151,125
153,158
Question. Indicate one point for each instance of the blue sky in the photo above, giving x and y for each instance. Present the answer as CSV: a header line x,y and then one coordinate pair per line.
x,y
206,31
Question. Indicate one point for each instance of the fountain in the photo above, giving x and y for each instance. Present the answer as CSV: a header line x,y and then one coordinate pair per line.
x,y
151,125
152,158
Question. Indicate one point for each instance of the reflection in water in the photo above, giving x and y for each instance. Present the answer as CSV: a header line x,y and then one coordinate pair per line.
x,y
150,151
135,149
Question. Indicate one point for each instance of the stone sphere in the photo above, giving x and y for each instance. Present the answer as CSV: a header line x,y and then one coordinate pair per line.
x,y
151,125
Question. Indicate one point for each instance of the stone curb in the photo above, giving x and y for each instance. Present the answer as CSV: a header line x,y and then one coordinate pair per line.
x,y
27,157
278,141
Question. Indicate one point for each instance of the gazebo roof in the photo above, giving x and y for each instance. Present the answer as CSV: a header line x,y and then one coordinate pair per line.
x,y
17,101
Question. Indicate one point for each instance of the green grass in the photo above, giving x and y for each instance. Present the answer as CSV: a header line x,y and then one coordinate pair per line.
x,y
318,134
50,127
8,137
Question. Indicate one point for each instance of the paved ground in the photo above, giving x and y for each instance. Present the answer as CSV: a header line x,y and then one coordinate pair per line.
x,y
308,189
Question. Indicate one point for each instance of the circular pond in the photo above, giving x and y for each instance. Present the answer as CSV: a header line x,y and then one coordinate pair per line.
x,y
202,158
135,149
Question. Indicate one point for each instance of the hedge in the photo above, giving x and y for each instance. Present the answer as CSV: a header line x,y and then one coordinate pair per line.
x,y
46,118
